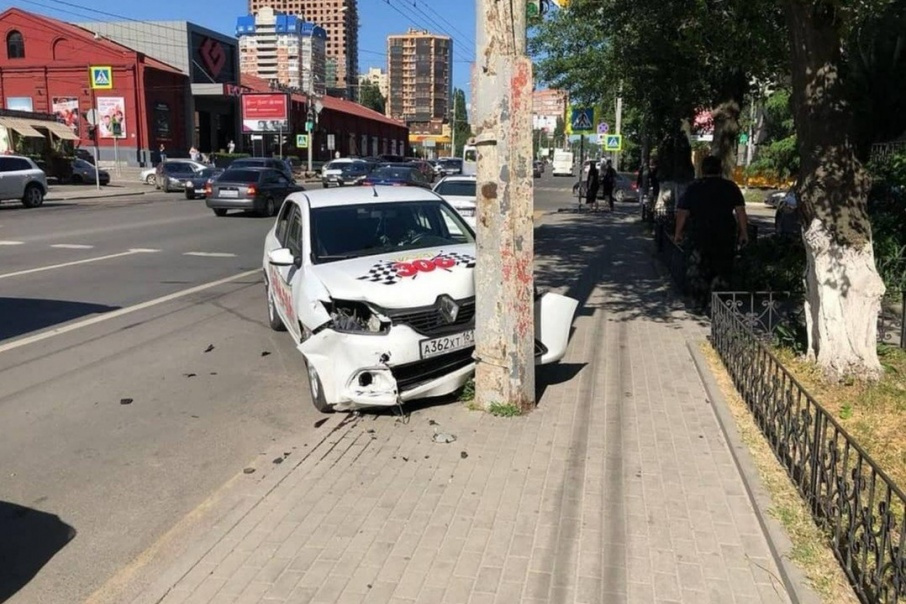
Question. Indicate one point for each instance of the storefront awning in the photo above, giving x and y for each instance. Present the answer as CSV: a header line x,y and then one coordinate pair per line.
x,y
22,126
59,130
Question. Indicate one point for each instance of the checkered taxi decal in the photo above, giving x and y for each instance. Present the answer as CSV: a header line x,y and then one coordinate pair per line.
x,y
389,272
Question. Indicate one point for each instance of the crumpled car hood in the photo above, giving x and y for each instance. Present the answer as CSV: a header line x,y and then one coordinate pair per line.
x,y
402,279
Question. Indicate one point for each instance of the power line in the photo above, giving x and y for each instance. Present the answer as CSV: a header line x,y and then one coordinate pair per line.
x,y
450,25
420,24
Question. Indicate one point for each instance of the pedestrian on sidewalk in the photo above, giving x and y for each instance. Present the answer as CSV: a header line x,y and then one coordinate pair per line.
x,y
608,182
591,186
231,147
713,211
163,153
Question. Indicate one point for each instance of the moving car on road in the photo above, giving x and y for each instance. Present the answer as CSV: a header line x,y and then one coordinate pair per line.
x,y
281,165
376,288
459,192
562,164
449,166
173,175
23,180
260,190
341,172
397,175
195,186
149,175
82,171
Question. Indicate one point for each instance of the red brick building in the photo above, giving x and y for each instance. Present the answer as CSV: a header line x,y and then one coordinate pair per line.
x,y
44,68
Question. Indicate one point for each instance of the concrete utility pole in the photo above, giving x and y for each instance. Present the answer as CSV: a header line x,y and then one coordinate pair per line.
x,y
504,279
453,128
619,129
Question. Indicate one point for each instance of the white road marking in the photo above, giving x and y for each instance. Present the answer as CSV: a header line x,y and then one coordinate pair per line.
x,y
74,262
122,311
11,242
72,246
210,254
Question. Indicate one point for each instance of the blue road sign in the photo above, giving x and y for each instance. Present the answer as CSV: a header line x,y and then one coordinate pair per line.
x,y
101,77
613,142
603,128
582,120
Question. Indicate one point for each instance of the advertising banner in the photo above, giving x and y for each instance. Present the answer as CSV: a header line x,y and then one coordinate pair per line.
x,y
112,117
266,112
66,108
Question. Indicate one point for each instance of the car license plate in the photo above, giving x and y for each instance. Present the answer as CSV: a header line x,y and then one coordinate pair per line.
x,y
228,193
438,346
467,211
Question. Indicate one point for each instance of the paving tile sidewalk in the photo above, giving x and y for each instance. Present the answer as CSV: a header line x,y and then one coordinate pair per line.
x,y
619,488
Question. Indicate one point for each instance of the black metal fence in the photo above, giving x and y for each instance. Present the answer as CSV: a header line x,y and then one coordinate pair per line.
x,y
860,509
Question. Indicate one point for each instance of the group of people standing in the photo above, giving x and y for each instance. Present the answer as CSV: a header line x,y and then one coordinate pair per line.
x,y
604,180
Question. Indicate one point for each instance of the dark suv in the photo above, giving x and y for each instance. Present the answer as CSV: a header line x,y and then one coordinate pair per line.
x,y
273,163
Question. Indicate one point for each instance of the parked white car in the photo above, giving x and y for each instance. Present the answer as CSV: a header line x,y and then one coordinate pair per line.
x,y
23,180
460,192
376,287
333,171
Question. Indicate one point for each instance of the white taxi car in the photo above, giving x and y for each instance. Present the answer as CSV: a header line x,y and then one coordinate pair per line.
x,y
460,192
376,287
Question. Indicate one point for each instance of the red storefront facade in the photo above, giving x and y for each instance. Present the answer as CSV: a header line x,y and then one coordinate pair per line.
x,y
353,129
44,67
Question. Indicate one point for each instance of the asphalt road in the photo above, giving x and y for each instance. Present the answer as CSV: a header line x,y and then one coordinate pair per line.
x,y
116,475
109,302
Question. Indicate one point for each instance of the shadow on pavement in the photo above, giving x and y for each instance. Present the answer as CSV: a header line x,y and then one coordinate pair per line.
x,y
24,315
29,539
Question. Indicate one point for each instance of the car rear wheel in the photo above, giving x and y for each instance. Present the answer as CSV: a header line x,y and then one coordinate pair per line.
x,y
273,319
166,186
619,195
219,212
190,194
150,179
270,207
317,390
76,179
33,197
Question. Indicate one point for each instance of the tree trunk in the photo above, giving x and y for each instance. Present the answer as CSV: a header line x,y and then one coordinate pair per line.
x,y
726,134
844,289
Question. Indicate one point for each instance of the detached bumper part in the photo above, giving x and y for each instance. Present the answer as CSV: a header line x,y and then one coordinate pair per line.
x,y
353,376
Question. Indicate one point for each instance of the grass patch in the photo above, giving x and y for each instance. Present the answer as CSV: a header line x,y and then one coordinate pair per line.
x,y
504,410
874,413
810,551
467,394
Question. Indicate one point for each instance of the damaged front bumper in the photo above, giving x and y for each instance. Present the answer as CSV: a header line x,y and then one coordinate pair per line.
x,y
382,370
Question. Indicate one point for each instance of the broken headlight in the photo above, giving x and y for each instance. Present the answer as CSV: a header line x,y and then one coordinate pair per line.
x,y
356,317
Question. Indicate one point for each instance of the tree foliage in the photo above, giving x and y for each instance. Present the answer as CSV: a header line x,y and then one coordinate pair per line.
x,y
461,125
370,96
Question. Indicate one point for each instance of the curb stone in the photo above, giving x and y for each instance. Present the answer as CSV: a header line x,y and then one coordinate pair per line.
x,y
53,197
794,580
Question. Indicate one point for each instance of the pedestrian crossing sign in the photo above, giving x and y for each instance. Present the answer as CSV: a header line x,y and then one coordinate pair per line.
x,y
581,120
613,142
302,141
101,77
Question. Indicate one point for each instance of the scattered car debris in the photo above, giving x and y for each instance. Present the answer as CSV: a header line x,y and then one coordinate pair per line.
x,y
444,438
431,422
320,422
195,417
125,401
249,471
209,348
189,375
213,373
370,430
463,454
278,460
405,459
266,353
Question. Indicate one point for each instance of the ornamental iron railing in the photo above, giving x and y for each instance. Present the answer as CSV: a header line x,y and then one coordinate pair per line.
x,y
860,509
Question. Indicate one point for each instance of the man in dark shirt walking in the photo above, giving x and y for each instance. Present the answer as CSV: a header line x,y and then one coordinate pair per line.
x,y
713,210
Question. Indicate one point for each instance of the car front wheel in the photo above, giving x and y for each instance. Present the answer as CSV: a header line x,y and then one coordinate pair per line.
x,y
273,319
316,390
151,179
270,207
33,197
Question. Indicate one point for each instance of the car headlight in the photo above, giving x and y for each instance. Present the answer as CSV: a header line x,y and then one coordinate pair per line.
x,y
356,317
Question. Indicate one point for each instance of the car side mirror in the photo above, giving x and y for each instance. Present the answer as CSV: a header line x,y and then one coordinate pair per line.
x,y
281,257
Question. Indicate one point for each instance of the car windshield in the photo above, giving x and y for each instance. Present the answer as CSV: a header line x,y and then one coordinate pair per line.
x,y
338,165
391,173
82,164
247,163
206,173
457,188
356,230
240,176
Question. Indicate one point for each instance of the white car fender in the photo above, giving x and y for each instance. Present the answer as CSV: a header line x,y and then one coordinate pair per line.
x,y
310,310
553,322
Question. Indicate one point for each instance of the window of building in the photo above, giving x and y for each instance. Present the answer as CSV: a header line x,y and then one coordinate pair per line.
x,y
15,45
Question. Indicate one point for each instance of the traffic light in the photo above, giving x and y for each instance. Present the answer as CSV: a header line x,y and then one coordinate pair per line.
x,y
309,126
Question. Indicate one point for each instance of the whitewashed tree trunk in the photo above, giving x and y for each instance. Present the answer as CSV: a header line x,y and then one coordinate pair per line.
x,y
843,300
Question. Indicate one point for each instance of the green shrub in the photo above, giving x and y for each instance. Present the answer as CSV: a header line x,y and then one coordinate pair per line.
x,y
771,264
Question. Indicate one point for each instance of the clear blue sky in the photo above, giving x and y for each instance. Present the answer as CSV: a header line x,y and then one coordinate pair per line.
x,y
378,19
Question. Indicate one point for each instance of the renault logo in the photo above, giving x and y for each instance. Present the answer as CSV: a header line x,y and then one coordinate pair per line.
x,y
449,309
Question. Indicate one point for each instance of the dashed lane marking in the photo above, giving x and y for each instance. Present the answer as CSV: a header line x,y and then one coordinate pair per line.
x,y
11,242
123,311
210,254
75,262
72,246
